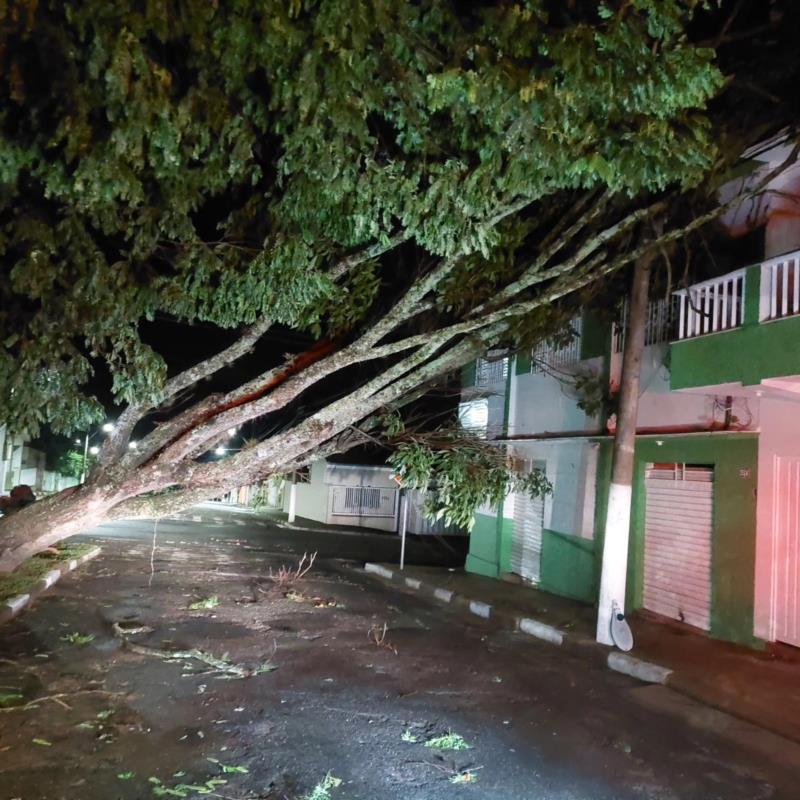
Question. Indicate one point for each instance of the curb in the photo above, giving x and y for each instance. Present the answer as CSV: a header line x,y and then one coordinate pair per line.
x,y
582,646
15,605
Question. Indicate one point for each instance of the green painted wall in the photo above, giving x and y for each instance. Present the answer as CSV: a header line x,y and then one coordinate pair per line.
x,y
568,566
744,355
505,532
468,372
595,336
734,533
483,546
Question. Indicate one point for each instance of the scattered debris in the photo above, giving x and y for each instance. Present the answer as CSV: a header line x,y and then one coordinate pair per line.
x,y
288,576
129,627
205,604
449,741
78,638
228,768
467,776
322,791
377,635
42,742
125,776
407,736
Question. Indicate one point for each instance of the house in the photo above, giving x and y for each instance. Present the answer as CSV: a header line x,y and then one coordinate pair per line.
x,y
22,464
715,524
357,495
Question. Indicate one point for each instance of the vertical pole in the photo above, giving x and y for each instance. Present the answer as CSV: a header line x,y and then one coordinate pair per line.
x,y
618,515
292,497
85,456
3,430
403,527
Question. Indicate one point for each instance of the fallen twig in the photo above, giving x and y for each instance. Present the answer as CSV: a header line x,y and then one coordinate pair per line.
x,y
377,635
56,698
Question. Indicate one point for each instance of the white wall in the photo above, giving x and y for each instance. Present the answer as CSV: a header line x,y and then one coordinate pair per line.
x,y
780,436
571,467
312,497
541,403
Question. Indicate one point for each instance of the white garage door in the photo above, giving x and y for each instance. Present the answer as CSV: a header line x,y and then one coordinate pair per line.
x,y
526,542
677,542
786,521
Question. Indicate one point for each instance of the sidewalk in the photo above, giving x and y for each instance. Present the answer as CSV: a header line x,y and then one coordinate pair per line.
x,y
751,685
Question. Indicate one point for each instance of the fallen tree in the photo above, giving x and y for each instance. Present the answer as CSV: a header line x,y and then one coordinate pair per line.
x,y
406,184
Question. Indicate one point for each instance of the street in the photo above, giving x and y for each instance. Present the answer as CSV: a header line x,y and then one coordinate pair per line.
x,y
271,688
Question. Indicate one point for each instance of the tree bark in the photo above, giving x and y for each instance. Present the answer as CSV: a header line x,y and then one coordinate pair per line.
x,y
618,514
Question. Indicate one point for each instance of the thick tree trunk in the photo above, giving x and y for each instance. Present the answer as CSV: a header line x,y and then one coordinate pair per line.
x,y
618,514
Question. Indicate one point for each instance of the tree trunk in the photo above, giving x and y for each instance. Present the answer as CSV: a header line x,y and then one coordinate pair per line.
x,y
618,514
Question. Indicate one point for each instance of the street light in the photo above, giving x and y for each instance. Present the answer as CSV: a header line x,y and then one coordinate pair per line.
x,y
133,445
220,451
107,427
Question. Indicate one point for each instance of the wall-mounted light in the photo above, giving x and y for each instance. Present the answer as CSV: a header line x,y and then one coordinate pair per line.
x,y
108,427
94,450
659,442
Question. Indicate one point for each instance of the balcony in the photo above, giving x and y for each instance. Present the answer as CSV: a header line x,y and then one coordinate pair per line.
x,y
739,328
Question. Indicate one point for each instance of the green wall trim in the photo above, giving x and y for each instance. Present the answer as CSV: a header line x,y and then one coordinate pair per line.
x,y
468,373
568,566
480,567
744,355
522,363
483,547
595,335
735,461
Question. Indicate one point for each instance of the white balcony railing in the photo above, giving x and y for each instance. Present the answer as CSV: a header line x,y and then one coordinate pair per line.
x,y
780,287
711,306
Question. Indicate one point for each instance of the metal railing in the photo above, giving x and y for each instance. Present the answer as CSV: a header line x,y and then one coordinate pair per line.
x,y
711,306
780,287
659,323
546,355
490,370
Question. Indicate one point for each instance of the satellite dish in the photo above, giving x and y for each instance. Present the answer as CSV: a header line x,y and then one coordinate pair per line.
x,y
621,631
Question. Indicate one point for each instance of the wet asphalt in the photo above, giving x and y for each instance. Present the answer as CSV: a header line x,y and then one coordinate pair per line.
x,y
345,698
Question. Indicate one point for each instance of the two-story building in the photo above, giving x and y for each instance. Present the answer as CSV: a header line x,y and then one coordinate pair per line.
x,y
715,525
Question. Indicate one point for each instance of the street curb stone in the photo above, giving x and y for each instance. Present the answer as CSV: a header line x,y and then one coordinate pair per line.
x,y
14,605
580,646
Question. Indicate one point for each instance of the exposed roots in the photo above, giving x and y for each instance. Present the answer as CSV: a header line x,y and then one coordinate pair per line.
x,y
377,635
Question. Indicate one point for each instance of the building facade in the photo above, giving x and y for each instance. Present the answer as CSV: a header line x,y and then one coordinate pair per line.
x,y
715,525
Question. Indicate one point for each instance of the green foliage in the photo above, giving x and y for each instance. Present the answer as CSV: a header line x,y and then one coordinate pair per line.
x,y
448,741
461,472
71,463
209,161
322,791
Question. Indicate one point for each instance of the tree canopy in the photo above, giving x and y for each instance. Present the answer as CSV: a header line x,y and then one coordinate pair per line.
x,y
407,182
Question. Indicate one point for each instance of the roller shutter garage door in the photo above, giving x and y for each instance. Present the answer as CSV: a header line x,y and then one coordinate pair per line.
x,y
526,542
677,542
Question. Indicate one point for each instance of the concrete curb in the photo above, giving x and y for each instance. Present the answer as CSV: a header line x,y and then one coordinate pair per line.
x,y
15,605
581,646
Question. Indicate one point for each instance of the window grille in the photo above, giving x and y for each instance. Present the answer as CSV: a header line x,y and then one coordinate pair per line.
x,y
547,356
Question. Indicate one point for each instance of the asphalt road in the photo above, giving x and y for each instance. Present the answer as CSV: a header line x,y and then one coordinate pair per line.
x,y
345,700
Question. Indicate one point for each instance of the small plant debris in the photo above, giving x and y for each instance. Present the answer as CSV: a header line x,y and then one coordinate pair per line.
x,y
78,638
407,736
125,776
160,789
11,699
449,741
288,576
322,791
468,776
42,742
228,768
377,635
205,604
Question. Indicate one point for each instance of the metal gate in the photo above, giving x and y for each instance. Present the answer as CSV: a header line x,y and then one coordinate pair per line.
x,y
526,541
363,501
786,564
677,542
